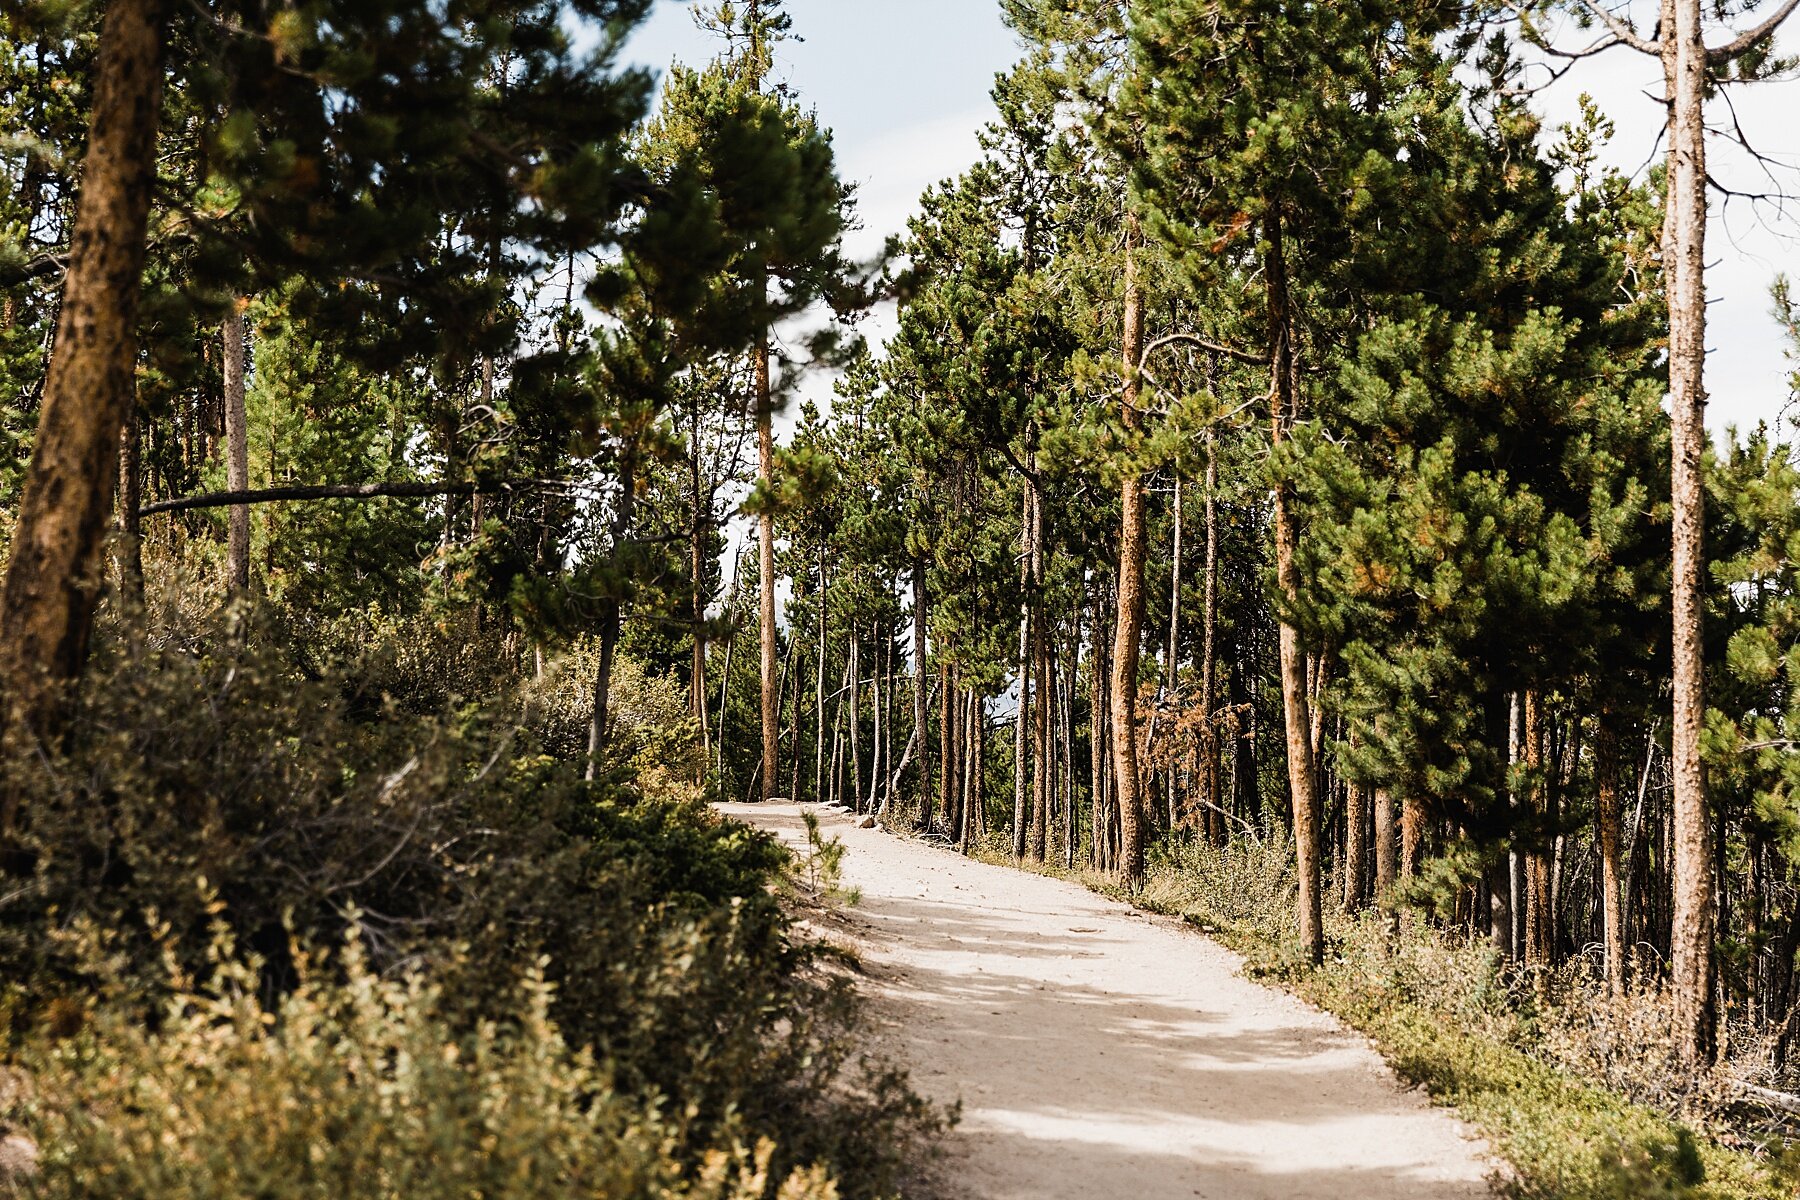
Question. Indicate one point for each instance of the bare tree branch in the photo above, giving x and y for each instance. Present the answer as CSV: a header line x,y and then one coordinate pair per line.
x,y
1624,32
351,491
1743,41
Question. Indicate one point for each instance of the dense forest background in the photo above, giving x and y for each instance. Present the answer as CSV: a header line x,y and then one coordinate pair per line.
x,y
1286,496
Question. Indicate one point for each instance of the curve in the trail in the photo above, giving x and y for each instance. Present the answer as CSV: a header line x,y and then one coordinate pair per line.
x,y
1102,1053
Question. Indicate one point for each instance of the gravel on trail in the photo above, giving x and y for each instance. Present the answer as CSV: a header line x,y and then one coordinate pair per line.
x,y
1102,1053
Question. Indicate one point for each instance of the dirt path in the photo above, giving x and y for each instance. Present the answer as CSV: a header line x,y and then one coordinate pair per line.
x,y
1100,1053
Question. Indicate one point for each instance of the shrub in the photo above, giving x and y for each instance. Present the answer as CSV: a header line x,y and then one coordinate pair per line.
x,y
359,1087
213,776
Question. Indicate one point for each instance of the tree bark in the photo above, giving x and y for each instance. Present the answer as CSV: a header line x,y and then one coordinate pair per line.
x,y
1356,847
237,449
1021,730
48,603
1684,270
1209,735
131,498
1606,816
1129,621
921,707
1537,858
1302,774
612,617
1386,860
765,542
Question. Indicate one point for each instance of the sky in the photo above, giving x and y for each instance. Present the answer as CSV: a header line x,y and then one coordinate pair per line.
x,y
904,86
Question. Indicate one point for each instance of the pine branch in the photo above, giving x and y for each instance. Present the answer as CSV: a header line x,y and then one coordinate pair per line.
x,y
350,491
1743,41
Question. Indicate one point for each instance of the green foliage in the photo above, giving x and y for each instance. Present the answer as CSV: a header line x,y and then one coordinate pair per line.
x,y
206,783
359,1086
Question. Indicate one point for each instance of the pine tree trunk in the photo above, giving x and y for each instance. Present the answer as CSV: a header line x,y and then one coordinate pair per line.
x,y
975,828
1386,859
946,742
1021,722
1537,858
1042,754
1209,735
612,618
855,722
237,449
1412,837
1098,741
1606,817
1129,621
48,604
131,499
1302,774
1684,269
1356,847
921,704
697,602
765,542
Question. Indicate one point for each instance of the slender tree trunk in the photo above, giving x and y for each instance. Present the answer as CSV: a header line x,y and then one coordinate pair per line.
x,y
1209,735
856,776
48,605
819,684
1099,745
1356,847
1537,858
765,541
131,499
1606,816
1021,723
976,827
237,448
1684,270
946,742
1302,774
1133,547
1042,754
612,616
737,595
697,602
921,715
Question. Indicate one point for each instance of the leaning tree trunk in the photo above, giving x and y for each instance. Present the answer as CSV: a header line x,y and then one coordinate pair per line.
x,y
237,450
1129,621
1302,776
1684,269
765,540
47,608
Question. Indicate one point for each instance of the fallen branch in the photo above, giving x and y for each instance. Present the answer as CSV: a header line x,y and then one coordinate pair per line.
x,y
1785,1101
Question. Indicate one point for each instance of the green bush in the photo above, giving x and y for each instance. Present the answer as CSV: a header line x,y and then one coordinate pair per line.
x,y
215,776
358,1087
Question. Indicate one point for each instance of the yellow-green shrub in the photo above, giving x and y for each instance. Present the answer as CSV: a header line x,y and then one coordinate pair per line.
x,y
359,1087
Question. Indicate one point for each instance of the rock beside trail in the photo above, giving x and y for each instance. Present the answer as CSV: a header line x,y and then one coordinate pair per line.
x,y
866,823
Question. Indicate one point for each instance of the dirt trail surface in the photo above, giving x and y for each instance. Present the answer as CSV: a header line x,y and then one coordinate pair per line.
x,y
1100,1053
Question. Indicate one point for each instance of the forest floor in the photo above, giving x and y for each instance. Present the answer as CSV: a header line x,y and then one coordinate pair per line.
x,y
1098,1051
